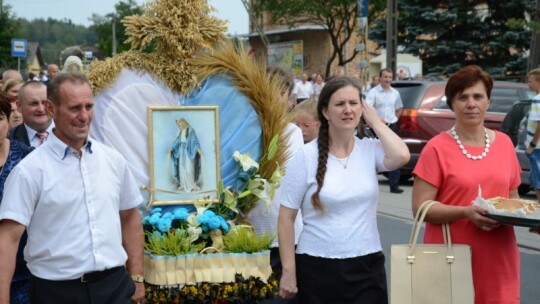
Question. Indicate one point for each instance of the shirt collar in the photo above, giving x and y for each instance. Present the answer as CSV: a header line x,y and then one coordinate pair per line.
x,y
62,150
31,132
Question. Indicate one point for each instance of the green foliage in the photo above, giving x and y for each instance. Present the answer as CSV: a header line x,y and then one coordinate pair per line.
x,y
173,243
9,28
447,35
244,239
54,36
102,26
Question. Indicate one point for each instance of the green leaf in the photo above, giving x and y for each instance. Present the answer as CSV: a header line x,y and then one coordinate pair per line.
x,y
272,147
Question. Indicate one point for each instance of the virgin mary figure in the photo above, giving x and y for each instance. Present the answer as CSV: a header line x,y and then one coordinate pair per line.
x,y
186,158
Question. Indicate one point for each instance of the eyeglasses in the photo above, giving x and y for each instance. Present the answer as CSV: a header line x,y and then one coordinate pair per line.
x,y
306,125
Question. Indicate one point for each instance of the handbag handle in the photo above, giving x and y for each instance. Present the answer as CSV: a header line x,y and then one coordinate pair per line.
x,y
418,220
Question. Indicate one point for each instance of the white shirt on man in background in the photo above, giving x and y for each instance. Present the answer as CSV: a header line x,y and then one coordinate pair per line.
x,y
386,102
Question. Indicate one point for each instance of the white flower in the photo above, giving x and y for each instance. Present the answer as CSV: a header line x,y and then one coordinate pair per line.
x,y
229,200
261,189
245,161
202,206
195,232
276,177
192,220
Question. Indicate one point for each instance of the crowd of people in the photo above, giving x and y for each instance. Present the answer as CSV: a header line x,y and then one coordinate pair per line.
x,y
83,241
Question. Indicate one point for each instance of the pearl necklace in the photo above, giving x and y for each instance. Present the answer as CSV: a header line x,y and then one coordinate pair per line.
x,y
467,154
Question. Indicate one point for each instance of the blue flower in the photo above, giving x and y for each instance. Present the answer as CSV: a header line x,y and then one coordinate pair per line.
x,y
209,213
214,223
203,218
180,214
154,218
156,210
224,226
164,224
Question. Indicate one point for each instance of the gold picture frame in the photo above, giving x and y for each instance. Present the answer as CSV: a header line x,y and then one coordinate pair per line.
x,y
184,154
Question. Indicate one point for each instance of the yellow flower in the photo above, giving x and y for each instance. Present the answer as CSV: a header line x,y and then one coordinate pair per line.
x,y
245,161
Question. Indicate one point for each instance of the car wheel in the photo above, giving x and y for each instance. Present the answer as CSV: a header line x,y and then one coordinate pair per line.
x,y
524,189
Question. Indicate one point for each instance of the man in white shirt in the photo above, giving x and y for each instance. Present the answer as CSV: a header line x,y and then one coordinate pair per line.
x,y
78,202
302,90
387,102
37,123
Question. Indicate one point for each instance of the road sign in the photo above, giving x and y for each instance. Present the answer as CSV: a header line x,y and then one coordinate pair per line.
x,y
18,47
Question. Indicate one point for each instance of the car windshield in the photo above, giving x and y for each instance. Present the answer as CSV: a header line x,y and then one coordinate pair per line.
x,y
411,94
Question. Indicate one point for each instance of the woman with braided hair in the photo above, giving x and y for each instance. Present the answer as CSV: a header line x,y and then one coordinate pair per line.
x,y
333,180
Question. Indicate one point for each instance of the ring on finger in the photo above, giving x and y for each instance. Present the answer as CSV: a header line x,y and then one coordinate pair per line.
x,y
485,228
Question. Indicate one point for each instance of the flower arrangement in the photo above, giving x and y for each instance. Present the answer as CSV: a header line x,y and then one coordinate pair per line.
x,y
181,231
250,290
210,227
250,185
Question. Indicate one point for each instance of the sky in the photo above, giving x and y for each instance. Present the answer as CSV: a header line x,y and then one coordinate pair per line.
x,y
79,11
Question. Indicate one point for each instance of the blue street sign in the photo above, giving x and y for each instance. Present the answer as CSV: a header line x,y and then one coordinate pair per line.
x,y
362,8
18,47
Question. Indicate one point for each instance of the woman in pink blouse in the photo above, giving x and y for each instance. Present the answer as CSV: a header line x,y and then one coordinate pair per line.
x,y
451,167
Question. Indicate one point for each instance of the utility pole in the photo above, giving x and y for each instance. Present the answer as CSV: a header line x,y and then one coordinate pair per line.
x,y
113,35
391,36
534,53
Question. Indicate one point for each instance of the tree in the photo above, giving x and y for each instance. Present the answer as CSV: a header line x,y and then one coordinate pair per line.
x,y
9,29
337,17
55,35
102,26
447,35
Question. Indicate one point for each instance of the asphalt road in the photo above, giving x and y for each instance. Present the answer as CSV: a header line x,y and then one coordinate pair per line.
x,y
395,225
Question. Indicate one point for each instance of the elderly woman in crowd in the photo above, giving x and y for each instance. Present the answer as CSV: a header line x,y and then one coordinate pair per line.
x,y
451,167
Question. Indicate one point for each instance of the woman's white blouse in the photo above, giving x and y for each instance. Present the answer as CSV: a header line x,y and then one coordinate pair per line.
x,y
348,225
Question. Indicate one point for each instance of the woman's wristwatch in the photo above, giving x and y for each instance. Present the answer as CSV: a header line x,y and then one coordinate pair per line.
x,y
532,145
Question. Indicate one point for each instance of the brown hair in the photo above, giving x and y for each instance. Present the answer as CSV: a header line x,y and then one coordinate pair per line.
x,y
389,70
464,79
5,105
283,76
53,89
324,141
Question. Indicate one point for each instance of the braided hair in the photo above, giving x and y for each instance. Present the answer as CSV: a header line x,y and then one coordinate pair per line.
x,y
323,142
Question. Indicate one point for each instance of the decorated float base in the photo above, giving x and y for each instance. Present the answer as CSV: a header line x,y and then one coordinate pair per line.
x,y
209,278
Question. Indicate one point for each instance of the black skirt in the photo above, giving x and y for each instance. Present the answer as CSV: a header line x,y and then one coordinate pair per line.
x,y
359,280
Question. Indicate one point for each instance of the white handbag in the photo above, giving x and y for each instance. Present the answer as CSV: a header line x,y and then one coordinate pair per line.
x,y
430,273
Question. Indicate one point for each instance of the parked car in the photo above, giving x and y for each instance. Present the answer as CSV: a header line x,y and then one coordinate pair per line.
x,y
515,126
425,113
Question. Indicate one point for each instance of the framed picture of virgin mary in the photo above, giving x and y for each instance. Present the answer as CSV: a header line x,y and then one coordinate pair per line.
x,y
184,154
